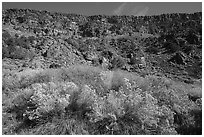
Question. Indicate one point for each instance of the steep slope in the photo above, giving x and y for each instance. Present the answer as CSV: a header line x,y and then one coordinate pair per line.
x,y
75,74
170,43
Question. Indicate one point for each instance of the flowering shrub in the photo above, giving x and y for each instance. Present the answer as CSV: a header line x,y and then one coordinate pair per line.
x,y
131,101
42,99
152,105
87,96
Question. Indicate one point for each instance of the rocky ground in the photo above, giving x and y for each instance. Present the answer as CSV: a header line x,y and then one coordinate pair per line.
x,y
165,46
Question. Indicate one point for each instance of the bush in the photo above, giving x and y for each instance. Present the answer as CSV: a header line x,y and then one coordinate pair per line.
x,y
171,47
5,35
153,49
88,100
23,42
117,62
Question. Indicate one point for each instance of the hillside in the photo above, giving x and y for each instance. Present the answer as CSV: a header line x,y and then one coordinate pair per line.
x,y
155,62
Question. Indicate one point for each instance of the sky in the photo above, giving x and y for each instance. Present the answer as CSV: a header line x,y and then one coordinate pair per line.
x,y
110,8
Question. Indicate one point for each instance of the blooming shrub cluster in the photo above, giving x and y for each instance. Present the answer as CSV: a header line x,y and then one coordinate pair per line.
x,y
48,97
41,99
151,107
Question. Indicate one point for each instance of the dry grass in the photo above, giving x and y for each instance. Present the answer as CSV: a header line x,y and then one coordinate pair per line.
x,y
89,100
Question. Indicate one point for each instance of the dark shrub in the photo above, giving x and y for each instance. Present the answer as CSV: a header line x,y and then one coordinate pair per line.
x,y
21,19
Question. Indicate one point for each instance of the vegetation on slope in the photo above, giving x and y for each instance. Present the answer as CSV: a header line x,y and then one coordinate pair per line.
x,y
86,100
74,74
